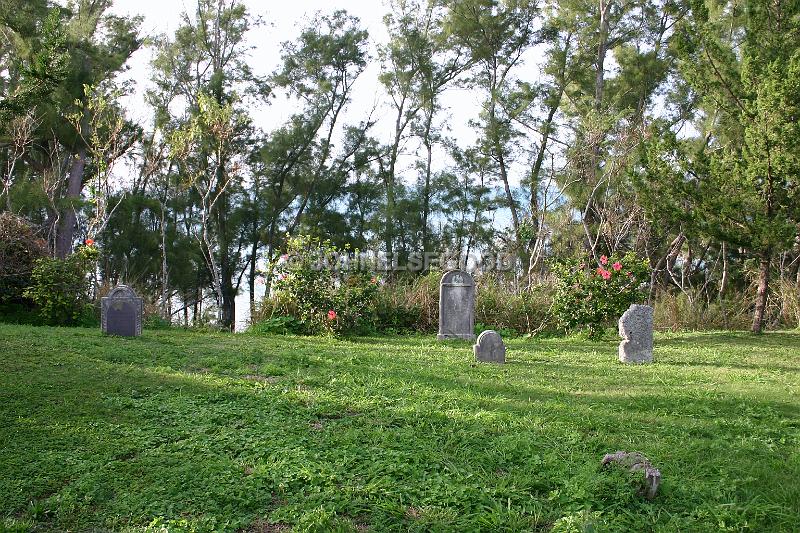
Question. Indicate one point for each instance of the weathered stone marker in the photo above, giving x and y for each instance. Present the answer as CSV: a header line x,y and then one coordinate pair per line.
x,y
635,462
636,328
121,312
490,348
456,306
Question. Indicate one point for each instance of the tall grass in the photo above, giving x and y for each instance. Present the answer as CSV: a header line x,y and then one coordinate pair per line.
x,y
412,305
680,312
788,302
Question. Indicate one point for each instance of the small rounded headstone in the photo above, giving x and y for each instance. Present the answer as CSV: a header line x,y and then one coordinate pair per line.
x,y
490,348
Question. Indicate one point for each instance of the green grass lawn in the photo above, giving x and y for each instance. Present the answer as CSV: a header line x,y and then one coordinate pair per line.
x,y
199,432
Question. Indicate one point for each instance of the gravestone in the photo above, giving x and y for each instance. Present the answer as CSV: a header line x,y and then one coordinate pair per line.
x,y
490,348
636,329
121,312
635,462
456,306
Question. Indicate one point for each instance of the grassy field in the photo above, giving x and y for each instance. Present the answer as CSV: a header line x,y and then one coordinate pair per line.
x,y
185,431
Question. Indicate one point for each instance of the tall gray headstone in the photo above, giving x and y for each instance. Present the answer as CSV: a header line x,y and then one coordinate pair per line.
x,y
456,306
636,330
121,312
490,348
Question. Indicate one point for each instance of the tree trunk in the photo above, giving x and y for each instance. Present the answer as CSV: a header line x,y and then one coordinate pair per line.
x,y
797,276
166,308
66,227
763,293
499,150
723,285
251,278
389,180
228,318
591,220
534,183
196,307
426,193
227,312
512,206
602,50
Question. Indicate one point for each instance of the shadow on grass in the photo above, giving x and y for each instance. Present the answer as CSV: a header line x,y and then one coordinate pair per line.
x,y
771,367
174,442
772,339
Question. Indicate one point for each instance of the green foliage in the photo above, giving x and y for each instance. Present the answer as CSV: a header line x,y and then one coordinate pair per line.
x,y
59,288
499,306
406,305
589,297
323,296
412,305
20,249
691,312
396,315
154,321
184,431
736,180
277,325
43,61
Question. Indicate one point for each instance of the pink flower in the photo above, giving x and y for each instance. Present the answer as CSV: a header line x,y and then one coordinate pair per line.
x,y
603,260
600,271
89,242
284,257
331,315
606,274
281,277
617,266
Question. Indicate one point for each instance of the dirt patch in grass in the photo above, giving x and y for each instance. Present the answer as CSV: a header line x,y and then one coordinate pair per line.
x,y
264,526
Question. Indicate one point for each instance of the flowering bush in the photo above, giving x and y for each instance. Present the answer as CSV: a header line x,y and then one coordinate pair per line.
x,y
59,288
592,296
310,286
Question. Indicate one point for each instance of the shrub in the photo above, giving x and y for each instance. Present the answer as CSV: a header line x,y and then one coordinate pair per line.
x,y
154,321
353,304
276,325
20,249
590,297
59,288
319,294
409,304
502,307
396,315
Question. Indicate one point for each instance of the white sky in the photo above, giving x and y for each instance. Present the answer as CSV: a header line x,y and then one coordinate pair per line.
x,y
283,22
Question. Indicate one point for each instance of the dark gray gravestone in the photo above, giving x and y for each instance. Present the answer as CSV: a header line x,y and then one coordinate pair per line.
x,y
490,348
456,306
121,312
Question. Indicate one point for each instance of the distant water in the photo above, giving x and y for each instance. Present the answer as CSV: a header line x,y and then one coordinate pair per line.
x,y
243,305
